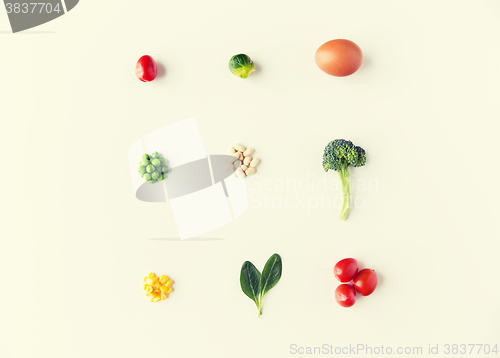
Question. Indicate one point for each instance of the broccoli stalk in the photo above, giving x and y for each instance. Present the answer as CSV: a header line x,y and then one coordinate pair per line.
x,y
339,155
346,189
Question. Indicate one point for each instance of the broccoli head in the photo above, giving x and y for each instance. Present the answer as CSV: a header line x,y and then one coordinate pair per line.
x,y
339,154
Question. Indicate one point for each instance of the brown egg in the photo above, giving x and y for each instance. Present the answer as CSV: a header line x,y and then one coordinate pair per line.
x,y
339,57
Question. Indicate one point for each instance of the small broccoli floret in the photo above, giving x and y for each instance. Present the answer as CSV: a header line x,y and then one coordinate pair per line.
x,y
339,154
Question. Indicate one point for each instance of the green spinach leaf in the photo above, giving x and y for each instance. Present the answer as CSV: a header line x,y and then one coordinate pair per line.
x,y
250,281
271,274
255,285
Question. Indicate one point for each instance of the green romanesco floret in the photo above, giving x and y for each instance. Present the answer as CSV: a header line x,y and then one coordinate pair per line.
x,y
339,154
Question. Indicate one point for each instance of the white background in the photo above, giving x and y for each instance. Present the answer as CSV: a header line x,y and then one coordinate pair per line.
x,y
75,243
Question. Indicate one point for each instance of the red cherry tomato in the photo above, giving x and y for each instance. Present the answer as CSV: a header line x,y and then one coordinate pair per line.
x,y
145,69
365,282
345,270
345,295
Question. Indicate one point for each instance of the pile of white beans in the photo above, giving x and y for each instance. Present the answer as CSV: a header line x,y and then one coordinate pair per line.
x,y
244,155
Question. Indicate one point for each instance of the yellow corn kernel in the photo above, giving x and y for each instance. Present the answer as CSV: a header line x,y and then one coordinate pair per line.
x,y
157,287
